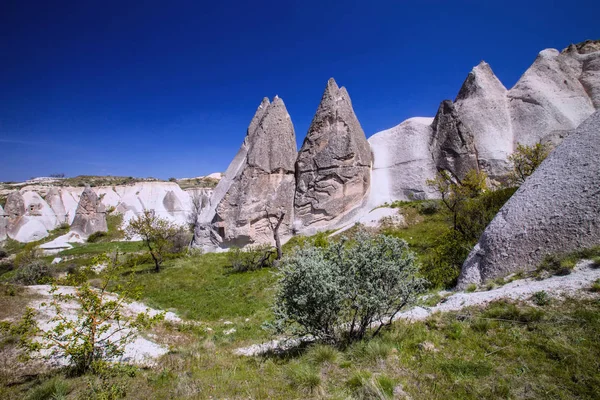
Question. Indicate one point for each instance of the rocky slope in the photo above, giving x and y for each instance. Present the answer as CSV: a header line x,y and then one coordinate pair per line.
x,y
556,211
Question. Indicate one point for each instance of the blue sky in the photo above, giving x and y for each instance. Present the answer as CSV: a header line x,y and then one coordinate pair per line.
x,y
168,88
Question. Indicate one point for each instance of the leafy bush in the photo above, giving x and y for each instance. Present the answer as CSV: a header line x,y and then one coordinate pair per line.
x,y
3,253
525,160
98,332
541,298
337,292
251,258
96,237
36,272
27,255
429,207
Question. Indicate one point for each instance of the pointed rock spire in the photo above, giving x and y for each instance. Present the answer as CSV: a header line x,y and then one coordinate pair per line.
x,y
54,200
333,165
452,146
482,108
258,186
90,216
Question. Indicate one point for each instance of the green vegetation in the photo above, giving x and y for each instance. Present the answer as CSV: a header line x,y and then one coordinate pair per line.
x,y
157,234
251,258
337,292
197,183
525,160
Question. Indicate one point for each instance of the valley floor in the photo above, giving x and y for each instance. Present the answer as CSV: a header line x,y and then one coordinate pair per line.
x,y
483,347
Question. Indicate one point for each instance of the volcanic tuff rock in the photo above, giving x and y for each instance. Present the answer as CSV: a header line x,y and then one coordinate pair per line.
x,y
549,96
402,162
452,146
556,210
55,201
28,218
3,224
482,107
90,216
257,187
333,165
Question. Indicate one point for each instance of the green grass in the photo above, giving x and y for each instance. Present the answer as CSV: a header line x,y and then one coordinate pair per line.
x,y
200,288
100,248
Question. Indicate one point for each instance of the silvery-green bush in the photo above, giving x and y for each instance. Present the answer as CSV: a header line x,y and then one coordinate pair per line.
x,y
346,290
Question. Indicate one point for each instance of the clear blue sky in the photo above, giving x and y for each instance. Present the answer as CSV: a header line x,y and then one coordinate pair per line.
x,y
168,88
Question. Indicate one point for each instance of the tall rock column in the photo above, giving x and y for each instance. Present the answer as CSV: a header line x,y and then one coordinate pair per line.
x,y
334,164
3,224
258,187
90,216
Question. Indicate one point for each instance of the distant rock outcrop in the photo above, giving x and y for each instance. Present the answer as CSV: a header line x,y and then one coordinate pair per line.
x,y
556,211
333,170
3,224
55,201
27,215
258,186
90,216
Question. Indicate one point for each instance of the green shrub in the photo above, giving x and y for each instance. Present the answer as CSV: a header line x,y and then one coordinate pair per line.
x,y
471,288
596,286
541,298
429,207
251,258
337,292
3,253
320,353
36,272
96,237
28,254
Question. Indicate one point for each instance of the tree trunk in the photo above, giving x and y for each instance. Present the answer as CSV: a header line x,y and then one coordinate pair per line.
x,y
276,236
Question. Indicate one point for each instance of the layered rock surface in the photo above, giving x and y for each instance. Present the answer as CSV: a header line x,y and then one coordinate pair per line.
x,y
258,187
90,216
556,211
333,169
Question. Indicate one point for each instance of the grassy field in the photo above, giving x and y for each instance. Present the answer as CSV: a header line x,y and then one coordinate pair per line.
x,y
505,350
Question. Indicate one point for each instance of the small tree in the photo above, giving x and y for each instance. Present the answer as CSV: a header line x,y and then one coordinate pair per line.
x,y
525,160
346,289
455,194
157,234
96,332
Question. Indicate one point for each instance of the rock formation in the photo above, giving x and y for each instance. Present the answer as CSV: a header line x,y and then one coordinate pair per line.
x,y
55,201
3,224
257,187
452,146
549,96
90,216
27,217
334,164
482,107
402,162
556,210
553,96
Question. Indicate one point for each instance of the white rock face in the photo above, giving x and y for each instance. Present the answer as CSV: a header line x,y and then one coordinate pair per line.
x,y
402,162
549,97
556,211
32,217
483,106
3,224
